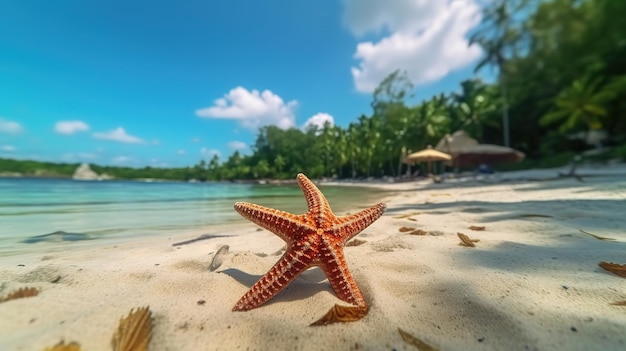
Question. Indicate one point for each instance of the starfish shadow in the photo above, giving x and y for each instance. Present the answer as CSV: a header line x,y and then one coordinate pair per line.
x,y
307,284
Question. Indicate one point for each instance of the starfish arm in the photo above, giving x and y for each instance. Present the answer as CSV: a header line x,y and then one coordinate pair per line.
x,y
334,265
353,224
284,271
319,209
336,269
285,225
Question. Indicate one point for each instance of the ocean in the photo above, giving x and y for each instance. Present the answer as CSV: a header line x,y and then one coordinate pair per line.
x,y
36,211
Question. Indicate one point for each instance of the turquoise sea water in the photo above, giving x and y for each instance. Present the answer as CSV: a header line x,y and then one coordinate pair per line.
x,y
124,209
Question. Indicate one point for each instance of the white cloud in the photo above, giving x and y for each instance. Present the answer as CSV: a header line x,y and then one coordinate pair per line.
x,y
252,109
122,159
80,156
119,135
70,127
209,152
155,162
318,120
181,152
8,148
10,127
427,38
237,145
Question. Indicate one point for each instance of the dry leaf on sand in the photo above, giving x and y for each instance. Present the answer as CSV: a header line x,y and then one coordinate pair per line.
x,y
615,268
466,241
405,229
341,313
20,293
62,346
619,303
411,340
418,232
134,331
476,227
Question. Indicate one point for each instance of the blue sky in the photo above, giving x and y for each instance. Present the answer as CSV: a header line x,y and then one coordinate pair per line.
x,y
156,83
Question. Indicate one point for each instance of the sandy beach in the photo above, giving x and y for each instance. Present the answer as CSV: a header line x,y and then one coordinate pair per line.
x,y
532,281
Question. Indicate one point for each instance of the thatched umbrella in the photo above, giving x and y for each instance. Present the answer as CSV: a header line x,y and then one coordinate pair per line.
x,y
427,155
488,154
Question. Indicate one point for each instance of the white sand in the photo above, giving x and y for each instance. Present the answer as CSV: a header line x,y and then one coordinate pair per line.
x,y
531,282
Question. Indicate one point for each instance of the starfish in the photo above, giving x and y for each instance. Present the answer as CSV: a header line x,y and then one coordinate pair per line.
x,y
315,238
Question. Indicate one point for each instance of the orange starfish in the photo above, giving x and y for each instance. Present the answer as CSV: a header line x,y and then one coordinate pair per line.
x,y
315,238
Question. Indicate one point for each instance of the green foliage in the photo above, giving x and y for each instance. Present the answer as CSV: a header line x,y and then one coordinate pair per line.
x,y
37,168
620,152
584,102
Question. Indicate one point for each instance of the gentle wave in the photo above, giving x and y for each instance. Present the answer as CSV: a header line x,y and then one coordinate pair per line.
x,y
144,201
61,209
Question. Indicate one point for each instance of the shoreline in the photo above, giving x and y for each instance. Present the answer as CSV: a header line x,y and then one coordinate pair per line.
x,y
532,281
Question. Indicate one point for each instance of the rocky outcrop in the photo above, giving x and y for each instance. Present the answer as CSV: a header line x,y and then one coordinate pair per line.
x,y
84,172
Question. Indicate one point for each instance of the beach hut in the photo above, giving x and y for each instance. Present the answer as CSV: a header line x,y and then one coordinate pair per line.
x,y
458,141
487,154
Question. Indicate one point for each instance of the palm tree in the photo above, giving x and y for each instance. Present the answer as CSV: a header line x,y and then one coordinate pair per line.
x,y
499,37
473,107
388,105
369,136
433,119
584,102
352,147
279,163
341,150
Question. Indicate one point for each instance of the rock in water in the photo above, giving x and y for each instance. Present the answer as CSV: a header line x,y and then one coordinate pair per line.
x,y
84,172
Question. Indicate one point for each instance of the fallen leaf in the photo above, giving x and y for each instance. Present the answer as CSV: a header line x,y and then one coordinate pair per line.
x,y
62,346
405,229
20,293
618,269
418,232
411,340
411,219
134,331
356,242
341,314
619,303
596,236
466,241
477,228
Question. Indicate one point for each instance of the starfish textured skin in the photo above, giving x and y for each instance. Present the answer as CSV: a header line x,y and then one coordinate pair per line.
x,y
315,238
